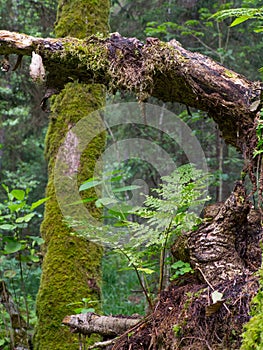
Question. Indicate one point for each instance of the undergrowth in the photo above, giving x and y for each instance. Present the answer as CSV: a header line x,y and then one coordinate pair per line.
x,y
121,292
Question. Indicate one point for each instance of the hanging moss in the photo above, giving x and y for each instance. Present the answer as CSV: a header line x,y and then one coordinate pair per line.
x,y
71,266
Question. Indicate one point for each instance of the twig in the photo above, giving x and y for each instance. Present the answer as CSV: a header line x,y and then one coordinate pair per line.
x,y
102,344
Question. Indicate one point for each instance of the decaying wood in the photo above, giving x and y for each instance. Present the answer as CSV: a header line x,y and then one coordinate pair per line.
x,y
163,70
110,326
213,247
19,336
102,344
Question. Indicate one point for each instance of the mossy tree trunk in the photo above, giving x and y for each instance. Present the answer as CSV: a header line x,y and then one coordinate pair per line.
x,y
71,266
226,250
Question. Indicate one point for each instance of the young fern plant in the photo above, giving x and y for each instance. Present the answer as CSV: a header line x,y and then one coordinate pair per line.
x,y
171,210
167,215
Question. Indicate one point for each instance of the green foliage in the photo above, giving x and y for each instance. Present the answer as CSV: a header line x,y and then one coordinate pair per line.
x,y
31,17
157,224
253,330
19,255
177,330
180,268
22,121
121,291
242,14
84,306
15,217
259,131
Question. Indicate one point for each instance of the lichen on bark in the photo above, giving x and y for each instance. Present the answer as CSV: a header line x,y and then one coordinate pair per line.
x,y
71,265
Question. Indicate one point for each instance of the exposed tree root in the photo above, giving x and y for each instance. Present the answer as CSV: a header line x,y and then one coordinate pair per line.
x,y
186,317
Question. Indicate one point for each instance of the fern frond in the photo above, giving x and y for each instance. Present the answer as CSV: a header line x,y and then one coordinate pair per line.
x,y
240,13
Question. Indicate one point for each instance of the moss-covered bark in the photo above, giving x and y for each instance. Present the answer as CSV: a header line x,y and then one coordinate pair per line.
x,y
71,266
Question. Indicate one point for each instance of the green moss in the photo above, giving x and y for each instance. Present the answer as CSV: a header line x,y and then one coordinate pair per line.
x,y
82,18
253,330
71,266
63,284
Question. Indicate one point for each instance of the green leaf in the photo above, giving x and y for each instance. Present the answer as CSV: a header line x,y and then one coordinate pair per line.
x,y
10,273
12,247
25,218
4,341
18,194
103,202
239,20
178,264
126,188
90,184
7,227
145,270
14,207
38,203
37,240
116,178
33,258
258,30
86,200
6,188
83,310
86,310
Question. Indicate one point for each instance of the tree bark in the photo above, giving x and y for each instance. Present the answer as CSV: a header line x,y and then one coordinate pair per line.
x,y
213,249
163,70
69,260
109,326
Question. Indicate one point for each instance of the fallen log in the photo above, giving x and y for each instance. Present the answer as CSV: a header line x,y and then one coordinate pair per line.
x,y
166,71
109,326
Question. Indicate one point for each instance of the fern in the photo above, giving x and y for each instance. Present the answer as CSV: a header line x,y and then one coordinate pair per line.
x,y
170,212
241,14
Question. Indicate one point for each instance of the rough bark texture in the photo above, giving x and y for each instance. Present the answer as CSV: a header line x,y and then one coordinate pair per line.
x,y
213,248
108,326
164,70
71,266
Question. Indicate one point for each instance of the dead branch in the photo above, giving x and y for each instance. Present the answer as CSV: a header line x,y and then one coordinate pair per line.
x,y
89,323
102,344
163,70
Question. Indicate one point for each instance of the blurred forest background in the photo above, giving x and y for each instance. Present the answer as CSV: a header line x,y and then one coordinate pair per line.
x,y
23,128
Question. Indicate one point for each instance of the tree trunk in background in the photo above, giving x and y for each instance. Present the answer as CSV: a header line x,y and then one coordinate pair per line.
x,y
70,261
